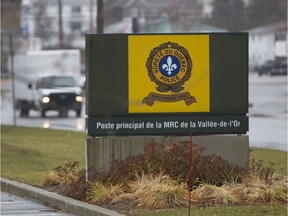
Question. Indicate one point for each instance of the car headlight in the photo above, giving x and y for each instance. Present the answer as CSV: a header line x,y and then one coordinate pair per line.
x,y
79,98
45,99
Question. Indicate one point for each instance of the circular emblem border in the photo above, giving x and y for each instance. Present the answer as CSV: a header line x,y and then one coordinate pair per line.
x,y
175,87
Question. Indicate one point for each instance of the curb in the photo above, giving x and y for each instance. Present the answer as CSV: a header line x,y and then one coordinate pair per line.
x,y
55,200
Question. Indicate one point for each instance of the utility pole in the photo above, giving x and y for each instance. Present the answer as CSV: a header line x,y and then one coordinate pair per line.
x,y
91,15
12,78
60,24
135,20
100,17
135,25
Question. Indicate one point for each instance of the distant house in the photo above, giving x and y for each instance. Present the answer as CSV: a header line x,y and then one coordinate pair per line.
x,y
144,15
163,25
151,9
267,43
40,27
168,25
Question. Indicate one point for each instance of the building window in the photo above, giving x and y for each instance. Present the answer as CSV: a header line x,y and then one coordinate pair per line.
x,y
280,37
76,9
76,28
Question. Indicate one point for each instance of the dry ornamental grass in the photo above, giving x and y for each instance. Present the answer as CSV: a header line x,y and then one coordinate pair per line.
x,y
146,181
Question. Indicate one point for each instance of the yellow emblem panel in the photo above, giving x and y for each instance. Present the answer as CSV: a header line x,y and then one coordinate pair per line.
x,y
168,73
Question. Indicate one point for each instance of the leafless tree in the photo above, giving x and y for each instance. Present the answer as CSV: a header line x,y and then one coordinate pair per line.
x,y
42,20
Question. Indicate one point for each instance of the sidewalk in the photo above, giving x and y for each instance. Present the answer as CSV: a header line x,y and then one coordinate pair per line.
x,y
55,200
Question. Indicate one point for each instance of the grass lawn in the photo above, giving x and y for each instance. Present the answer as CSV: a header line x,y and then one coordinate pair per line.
x,y
252,210
29,154
275,158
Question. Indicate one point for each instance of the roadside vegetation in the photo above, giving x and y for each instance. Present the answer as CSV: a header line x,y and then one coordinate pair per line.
x,y
158,179
154,183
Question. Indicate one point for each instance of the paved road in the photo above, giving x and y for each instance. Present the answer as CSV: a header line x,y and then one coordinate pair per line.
x,y
12,205
268,114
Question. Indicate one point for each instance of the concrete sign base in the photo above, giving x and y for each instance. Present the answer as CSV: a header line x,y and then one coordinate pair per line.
x,y
101,151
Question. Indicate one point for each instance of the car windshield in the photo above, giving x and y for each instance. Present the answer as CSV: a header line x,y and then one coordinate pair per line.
x,y
57,81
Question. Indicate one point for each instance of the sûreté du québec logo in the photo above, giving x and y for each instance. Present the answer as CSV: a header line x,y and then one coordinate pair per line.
x,y
169,65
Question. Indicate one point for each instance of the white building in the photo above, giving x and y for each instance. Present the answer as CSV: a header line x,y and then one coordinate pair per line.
x,y
40,19
267,43
40,23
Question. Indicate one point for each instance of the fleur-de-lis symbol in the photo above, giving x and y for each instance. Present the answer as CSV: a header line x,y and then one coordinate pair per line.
x,y
169,67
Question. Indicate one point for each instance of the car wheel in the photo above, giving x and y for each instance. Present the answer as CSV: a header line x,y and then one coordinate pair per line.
x,y
78,113
43,113
24,112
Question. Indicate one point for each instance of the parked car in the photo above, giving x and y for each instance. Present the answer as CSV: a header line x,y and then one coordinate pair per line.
x,y
273,67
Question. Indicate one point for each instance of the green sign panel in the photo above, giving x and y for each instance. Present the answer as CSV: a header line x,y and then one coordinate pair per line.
x,y
161,84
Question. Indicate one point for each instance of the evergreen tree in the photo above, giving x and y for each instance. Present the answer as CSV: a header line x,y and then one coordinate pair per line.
x,y
263,12
229,14
234,15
